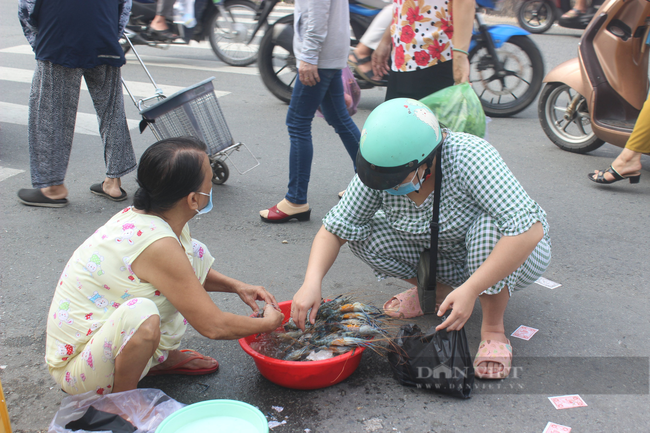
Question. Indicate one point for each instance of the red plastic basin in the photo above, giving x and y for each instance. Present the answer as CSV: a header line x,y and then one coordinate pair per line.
x,y
303,374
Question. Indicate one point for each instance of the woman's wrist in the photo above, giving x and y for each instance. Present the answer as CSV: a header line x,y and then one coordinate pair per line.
x,y
459,51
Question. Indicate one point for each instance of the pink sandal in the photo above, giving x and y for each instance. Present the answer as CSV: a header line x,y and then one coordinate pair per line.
x,y
409,305
494,351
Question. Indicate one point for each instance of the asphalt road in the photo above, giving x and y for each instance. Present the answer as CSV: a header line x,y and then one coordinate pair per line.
x,y
600,250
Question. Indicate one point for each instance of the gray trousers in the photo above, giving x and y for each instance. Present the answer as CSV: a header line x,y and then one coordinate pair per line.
x,y
53,102
165,8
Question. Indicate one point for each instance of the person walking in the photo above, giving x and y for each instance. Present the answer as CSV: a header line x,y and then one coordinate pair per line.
x,y
627,164
73,39
321,45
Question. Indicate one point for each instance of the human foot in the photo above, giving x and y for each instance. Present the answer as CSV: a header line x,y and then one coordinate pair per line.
x,y
109,189
286,211
405,305
363,68
37,197
187,362
612,175
55,192
494,357
159,23
574,13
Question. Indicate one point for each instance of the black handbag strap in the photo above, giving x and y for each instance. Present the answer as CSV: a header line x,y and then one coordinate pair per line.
x,y
433,250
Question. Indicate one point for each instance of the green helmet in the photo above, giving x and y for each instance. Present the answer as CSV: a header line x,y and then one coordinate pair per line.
x,y
398,136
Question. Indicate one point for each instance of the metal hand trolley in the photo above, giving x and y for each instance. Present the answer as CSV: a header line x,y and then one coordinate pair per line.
x,y
193,111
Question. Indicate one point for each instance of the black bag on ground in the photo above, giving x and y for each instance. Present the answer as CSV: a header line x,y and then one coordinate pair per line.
x,y
97,420
439,361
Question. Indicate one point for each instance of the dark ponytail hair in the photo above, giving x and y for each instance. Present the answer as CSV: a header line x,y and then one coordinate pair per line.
x,y
168,171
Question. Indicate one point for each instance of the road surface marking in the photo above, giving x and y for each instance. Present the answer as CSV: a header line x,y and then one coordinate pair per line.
x,y
85,124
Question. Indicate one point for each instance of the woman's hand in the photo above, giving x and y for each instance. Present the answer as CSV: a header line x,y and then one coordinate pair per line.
x,y
461,67
461,302
380,57
309,296
249,294
273,315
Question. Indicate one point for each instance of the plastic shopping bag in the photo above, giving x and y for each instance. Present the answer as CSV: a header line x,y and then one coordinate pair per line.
x,y
138,410
439,361
458,108
352,92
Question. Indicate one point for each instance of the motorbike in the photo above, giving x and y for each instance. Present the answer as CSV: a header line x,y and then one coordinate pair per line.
x,y
597,97
506,67
537,16
227,24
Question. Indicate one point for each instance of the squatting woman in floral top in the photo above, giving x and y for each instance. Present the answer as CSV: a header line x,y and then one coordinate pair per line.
x,y
125,297
429,41
493,238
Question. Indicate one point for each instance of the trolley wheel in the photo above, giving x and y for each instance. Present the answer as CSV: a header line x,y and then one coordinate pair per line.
x,y
220,171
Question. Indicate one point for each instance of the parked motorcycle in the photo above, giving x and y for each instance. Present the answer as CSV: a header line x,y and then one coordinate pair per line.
x,y
506,65
230,26
597,96
537,16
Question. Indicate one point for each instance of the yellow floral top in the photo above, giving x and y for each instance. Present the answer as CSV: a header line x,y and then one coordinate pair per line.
x,y
98,279
421,31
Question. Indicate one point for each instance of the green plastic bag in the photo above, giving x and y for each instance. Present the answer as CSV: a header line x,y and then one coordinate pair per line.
x,y
458,108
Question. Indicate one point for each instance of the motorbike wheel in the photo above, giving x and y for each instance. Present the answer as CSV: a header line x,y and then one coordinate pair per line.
x,y
277,66
229,44
570,131
507,92
535,16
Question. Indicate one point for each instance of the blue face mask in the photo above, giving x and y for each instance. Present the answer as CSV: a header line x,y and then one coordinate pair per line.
x,y
408,187
207,207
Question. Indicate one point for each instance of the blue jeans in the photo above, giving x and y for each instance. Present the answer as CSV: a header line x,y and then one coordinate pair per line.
x,y
305,100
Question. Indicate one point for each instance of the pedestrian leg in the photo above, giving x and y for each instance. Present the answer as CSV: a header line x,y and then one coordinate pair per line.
x,y
105,89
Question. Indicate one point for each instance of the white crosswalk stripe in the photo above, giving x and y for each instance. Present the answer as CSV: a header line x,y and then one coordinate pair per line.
x,y
137,88
6,172
86,123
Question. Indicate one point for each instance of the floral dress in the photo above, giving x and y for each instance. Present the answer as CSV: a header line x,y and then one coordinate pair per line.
x,y
99,302
421,32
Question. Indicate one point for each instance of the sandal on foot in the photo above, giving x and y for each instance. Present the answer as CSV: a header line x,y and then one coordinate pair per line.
x,y
176,369
275,215
497,352
573,13
98,189
35,197
369,76
409,305
600,177
162,35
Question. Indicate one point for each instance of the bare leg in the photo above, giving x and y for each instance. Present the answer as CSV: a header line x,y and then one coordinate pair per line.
x,y
112,186
133,359
627,163
55,192
159,23
492,328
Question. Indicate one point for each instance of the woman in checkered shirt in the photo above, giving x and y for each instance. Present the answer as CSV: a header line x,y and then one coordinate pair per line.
x,y
492,235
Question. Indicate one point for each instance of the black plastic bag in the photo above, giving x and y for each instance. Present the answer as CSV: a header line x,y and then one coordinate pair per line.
x,y
97,420
439,361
